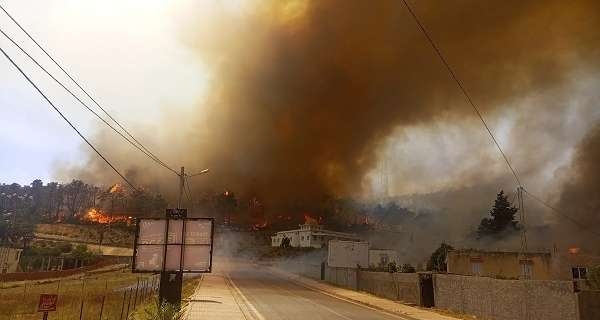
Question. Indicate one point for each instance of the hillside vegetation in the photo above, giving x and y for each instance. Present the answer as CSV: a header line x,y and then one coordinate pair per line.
x,y
114,236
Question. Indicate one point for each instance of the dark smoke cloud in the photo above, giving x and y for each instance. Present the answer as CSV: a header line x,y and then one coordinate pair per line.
x,y
300,104
304,92
579,197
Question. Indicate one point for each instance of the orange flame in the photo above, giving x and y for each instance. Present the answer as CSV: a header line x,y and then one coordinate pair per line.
x,y
97,216
117,187
310,220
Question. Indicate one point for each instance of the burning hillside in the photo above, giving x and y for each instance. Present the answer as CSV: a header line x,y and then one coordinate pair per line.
x,y
94,215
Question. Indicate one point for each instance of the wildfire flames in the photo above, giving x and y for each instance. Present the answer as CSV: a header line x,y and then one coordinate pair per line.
x,y
116,188
97,216
311,221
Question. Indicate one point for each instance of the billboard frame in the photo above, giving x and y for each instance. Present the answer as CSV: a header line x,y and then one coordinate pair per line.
x,y
166,244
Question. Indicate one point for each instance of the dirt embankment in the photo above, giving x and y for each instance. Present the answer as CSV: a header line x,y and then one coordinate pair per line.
x,y
113,236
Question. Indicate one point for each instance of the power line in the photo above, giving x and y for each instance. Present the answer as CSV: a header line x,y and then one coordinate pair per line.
x,y
67,120
470,101
544,203
462,89
84,104
147,151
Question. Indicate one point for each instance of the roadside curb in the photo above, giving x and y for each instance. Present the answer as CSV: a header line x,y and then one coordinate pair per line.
x,y
323,288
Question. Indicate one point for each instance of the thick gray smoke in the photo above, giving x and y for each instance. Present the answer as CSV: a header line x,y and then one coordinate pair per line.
x,y
303,93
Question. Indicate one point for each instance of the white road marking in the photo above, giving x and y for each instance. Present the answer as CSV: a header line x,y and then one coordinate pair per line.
x,y
343,299
257,314
316,304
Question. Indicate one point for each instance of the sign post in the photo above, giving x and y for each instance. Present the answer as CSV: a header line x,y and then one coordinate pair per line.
x,y
172,246
47,303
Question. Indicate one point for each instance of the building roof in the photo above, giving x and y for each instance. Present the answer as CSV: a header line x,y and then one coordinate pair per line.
x,y
320,232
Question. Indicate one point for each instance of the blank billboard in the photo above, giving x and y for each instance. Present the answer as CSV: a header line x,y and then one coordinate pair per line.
x,y
173,245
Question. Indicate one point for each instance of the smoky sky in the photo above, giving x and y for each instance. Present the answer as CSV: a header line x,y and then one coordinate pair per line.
x,y
579,199
303,93
300,103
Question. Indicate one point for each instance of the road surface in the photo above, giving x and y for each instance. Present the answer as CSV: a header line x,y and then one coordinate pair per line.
x,y
274,297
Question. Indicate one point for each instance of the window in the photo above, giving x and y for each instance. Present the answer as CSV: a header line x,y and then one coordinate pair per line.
x,y
579,273
526,269
476,267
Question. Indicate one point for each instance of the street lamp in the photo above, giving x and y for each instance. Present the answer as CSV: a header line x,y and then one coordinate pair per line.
x,y
199,173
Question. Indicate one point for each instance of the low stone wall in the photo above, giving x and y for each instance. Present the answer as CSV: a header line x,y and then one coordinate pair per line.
x,y
589,305
402,287
343,277
489,298
312,271
39,275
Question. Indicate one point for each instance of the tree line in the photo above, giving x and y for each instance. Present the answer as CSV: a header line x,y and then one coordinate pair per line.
x,y
53,202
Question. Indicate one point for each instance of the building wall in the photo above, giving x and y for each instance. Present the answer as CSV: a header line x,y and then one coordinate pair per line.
x,y
544,266
562,264
489,298
309,236
506,265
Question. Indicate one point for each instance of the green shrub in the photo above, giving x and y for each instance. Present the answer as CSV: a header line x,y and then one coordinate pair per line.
x,y
164,311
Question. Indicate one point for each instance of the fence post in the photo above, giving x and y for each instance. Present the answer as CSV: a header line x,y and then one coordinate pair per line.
x,y
128,303
123,304
146,287
82,299
137,287
103,299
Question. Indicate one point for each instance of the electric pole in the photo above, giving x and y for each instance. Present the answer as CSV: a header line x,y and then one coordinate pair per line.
x,y
181,186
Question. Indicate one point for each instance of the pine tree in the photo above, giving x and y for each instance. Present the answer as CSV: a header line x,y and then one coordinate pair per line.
x,y
503,218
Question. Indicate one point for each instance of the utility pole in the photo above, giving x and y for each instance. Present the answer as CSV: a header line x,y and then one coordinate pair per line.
x,y
181,186
522,218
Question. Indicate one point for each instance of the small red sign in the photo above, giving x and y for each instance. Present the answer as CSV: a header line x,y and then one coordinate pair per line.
x,y
47,302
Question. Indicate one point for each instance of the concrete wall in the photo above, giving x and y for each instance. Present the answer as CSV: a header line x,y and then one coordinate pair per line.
x,y
402,287
489,298
343,277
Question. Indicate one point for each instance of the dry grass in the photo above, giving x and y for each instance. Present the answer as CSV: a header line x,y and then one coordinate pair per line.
x,y
114,290
189,287
87,233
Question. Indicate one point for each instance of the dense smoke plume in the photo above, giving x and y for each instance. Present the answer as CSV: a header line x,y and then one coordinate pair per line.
x,y
579,199
303,93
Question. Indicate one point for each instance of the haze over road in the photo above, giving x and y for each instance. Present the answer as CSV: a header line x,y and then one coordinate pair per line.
x,y
274,297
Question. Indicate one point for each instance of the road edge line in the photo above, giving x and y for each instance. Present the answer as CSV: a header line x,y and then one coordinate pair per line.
x,y
294,278
255,313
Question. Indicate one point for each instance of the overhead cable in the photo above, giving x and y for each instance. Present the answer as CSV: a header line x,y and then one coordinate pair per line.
x,y
147,151
67,120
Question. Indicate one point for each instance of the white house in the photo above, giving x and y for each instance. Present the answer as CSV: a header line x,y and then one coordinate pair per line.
x,y
9,259
310,235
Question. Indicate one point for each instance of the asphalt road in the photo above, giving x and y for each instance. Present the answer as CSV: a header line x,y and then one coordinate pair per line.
x,y
277,298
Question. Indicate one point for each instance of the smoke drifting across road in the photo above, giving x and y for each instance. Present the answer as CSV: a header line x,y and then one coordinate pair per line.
x,y
303,93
